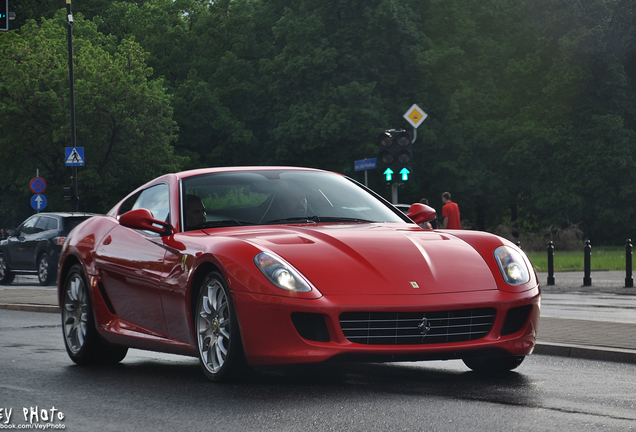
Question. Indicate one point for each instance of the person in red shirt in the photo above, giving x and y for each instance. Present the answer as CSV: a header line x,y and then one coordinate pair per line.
x,y
450,213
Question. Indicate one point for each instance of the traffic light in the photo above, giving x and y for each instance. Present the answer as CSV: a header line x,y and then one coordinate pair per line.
x,y
4,15
70,194
396,155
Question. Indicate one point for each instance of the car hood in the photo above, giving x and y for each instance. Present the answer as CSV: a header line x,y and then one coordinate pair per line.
x,y
378,259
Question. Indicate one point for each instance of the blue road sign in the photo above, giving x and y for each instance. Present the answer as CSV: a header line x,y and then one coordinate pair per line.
x,y
74,156
38,202
366,164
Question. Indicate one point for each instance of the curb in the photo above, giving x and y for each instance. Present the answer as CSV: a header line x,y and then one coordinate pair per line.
x,y
585,352
31,308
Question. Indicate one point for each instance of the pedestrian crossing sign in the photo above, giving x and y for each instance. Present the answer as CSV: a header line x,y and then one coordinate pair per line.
x,y
74,156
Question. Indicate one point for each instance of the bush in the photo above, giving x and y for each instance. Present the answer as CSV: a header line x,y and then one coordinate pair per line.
x,y
570,238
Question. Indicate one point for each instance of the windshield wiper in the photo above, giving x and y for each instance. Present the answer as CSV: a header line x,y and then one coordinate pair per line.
x,y
298,219
295,219
224,223
343,219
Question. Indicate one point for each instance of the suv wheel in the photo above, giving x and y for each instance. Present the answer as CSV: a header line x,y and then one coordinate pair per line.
x,y
45,272
6,277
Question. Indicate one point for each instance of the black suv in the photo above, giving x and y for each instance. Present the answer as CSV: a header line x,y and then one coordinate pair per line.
x,y
34,247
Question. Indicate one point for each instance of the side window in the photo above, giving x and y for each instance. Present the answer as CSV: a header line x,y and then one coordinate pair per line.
x,y
127,205
155,199
28,227
46,223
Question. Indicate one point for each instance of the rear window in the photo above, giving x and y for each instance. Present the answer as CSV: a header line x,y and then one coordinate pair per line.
x,y
72,222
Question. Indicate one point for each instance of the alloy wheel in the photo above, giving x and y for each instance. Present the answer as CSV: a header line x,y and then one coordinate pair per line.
x,y
43,269
213,326
75,313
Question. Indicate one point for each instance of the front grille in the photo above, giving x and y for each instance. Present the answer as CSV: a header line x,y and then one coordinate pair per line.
x,y
415,328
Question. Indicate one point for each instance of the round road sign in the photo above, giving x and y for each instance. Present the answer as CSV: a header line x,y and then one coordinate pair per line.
x,y
37,185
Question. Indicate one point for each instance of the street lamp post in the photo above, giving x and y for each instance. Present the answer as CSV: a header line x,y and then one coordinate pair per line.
x,y
71,80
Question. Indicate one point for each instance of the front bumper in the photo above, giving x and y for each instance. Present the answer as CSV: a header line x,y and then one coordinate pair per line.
x,y
271,336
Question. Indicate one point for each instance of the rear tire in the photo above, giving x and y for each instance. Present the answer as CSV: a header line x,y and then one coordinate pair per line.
x,y
493,365
6,277
45,272
83,344
218,336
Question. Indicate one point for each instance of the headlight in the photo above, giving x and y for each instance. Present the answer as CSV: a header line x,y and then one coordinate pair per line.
x,y
511,265
281,273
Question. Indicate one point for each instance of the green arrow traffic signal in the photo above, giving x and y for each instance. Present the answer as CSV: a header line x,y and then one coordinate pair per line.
x,y
405,174
389,174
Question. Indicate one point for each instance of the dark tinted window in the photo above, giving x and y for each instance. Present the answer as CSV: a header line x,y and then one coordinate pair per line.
x,y
46,223
72,222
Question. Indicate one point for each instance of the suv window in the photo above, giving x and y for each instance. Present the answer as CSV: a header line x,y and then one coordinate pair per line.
x,y
28,227
72,222
46,223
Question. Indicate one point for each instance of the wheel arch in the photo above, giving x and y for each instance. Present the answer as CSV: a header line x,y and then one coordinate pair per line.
x,y
199,275
201,271
64,267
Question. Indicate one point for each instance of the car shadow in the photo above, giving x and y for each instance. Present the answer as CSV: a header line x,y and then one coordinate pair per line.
x,y
317,380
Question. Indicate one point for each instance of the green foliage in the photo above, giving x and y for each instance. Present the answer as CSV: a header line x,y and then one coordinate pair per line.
x,y
124,117
531,103
234,198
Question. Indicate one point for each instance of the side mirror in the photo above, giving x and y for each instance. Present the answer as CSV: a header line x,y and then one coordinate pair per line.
x,y
143,219
421,213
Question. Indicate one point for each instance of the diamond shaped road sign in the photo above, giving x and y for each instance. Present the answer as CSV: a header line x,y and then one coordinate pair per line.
x,y
415,115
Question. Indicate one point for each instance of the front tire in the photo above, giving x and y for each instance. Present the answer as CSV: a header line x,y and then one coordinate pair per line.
x,y
45,273
6,276
493,365
218,336
83,344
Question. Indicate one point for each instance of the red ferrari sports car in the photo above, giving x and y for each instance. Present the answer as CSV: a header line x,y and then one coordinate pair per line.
x,y
257,266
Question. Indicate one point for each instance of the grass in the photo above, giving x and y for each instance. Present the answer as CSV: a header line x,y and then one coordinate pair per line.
x,y
601,258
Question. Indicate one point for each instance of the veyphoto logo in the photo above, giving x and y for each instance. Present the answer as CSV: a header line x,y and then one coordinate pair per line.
x,y
34,418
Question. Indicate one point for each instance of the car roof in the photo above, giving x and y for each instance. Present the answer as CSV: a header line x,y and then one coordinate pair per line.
x,y
65,214
190,173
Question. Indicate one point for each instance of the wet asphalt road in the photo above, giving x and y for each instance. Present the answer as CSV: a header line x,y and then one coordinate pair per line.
x,y
151,391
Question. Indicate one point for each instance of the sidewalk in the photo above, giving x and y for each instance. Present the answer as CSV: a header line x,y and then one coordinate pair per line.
x,y
587,336
584,337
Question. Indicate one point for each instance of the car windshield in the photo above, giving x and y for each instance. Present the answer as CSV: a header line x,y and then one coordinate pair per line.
x,y
278,197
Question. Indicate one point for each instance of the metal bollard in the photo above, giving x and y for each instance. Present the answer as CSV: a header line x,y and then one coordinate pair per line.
x,y
629,280
587,280
550,263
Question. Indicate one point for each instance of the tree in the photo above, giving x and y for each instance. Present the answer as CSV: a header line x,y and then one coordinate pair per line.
x,y
124,119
